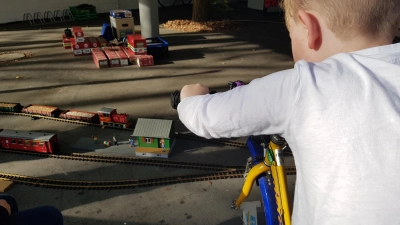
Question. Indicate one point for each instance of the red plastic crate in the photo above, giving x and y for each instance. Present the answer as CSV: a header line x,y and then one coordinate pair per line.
x,y
94,43
112,56
77,31
102,41
130,54
137,43
99,58
144,60
66,41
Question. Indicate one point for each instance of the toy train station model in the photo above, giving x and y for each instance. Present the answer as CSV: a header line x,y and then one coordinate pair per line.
x,y
156,137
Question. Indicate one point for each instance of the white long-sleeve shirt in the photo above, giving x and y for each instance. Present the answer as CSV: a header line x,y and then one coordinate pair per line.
x,y
341,118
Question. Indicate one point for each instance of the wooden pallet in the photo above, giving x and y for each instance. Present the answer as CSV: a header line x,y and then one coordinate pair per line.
x,y
5,185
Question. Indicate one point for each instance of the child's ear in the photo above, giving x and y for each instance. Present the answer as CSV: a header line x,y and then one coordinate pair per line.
x,y
313,28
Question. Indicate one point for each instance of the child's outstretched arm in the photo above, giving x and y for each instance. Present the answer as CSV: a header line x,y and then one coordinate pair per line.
x,y
262,107
193,90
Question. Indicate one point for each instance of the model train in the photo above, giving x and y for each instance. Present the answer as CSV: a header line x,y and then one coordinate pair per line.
x,y
29,141
105,116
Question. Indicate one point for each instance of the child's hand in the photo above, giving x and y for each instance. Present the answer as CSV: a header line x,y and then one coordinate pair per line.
x,y
7,206
193,90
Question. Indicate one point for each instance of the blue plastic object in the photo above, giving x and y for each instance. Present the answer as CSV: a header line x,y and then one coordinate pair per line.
x,y
266,188
120,13
157,47
106,32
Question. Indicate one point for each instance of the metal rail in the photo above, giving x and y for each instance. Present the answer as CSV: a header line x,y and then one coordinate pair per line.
x,y
132,161
98,185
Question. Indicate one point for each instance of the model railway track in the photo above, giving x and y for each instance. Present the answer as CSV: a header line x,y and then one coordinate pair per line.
x,y
133,161
179,135
63,120
101,185
68,184
213,141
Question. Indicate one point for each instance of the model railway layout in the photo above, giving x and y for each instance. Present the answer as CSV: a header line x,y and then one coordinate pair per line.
x,y
46,145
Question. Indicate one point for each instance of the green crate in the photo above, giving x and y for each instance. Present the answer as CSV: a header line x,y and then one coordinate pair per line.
x,y
85,17
83,13
75,10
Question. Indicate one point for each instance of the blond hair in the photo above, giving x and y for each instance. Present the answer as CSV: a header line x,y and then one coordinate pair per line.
x,y
349,18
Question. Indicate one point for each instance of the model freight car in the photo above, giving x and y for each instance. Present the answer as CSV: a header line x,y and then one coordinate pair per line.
x,y
105,116
110,117
44,110
10,107
89,117
29,141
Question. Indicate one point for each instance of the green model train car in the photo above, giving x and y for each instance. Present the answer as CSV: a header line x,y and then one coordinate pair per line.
x,y
10,107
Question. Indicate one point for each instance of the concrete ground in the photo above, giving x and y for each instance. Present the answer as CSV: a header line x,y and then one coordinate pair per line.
x,y
53,76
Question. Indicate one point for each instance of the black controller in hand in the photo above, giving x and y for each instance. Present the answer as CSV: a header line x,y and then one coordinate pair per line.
x,y
176,95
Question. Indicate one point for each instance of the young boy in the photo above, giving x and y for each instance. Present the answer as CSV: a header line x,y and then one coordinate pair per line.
x,y
338,108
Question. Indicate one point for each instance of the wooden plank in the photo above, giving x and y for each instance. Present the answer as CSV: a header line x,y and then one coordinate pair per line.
x,y
5,185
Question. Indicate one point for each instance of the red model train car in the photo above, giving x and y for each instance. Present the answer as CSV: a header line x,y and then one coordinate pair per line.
x,y
29,141
110,117
41,110
89,117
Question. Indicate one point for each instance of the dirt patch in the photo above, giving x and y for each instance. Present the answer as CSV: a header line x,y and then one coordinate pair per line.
x,y
18,56
209,26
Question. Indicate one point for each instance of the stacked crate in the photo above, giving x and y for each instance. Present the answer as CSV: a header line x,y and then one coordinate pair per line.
x,y
102,41
122,23
99,58
113,58
123,58
80,46
144,60
138,45
104,56
94,42
116,56
130,54
66,41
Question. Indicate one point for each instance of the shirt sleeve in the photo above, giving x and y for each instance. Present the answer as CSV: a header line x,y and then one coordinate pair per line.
x,y
261,107
4,217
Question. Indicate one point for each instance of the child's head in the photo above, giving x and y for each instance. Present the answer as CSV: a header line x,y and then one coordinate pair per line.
x,y
345,19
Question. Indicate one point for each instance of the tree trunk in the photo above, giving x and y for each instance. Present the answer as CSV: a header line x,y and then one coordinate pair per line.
x,y
201,10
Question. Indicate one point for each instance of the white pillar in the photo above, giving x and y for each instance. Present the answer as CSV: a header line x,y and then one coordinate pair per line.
x,y
148,12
